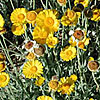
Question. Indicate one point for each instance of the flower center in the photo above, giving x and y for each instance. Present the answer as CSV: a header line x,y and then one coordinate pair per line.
x,y
33,69
2,66
78,34
66,86
69,53
81,0
21,17
61,1
3,78
31,16
29,45
18,28
70,14
53,84
93,65
49,21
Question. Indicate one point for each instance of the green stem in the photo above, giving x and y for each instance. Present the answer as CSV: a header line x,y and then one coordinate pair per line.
x,y
79,67
69,4
53,95
95,82
63,36
33,4
43,4
26,36
12,4
46,4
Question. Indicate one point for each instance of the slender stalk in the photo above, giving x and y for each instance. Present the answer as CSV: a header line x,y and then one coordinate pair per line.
x,y
69,4
12,4
79,68
26,36
46,4
33,4
43,4
63,36
95,82
53,95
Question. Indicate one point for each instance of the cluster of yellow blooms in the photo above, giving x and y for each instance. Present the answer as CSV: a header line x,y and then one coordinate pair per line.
x,y
4,77
65,85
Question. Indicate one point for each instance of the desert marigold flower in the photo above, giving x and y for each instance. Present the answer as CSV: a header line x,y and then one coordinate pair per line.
x,y
32,69
91,99
31,17
62,2
83,2
30,56
39,51
40,80
51,41
73,77
47,19
1,21
68,53
2,57
93,65
96,15
18,16
44,98
69,18
2,30
2,66
40,34
4,79
18,30
66,86
53,85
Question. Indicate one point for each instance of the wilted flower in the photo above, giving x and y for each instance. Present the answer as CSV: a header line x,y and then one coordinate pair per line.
x,y
30,56
39,51
2,57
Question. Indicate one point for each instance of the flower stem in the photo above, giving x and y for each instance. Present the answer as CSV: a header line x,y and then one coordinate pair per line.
x,y
63,36
53,95
43,4
79,68
33,4
46,4
12,4
69,4
95,82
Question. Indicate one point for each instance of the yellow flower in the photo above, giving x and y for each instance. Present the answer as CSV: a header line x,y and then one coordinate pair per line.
x,y
18,16
51,41
32,69
91,59
47,19
68,53
62,2
40,34
2,57
31,17
70,18
2,30
96,15
1,21
73,77
44,98
83,2
2,67
91,99
30,56
40,80
18,30
53,85
4,79
72,42
66,86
